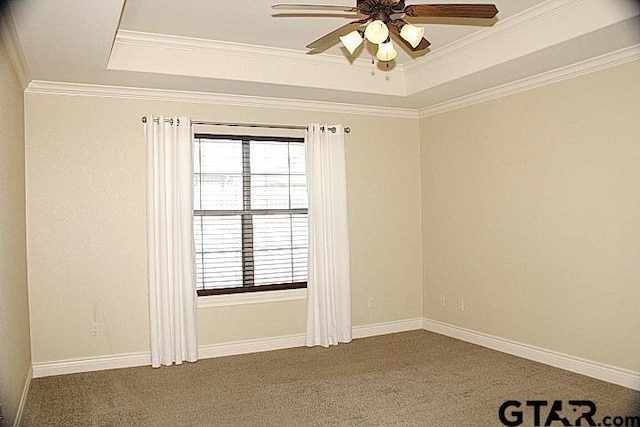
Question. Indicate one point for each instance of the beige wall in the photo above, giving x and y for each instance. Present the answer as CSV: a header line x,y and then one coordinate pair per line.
x,y
531,213
86,224
15,352
527,207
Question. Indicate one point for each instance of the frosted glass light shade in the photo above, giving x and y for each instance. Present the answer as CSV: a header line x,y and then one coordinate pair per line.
x,y
412,34
376,32
351,41
386,51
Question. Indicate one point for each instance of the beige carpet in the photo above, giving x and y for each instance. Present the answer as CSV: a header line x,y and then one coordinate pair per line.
x,y
408,379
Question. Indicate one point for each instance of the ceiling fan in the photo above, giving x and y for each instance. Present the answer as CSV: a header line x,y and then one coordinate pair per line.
x,y
384,18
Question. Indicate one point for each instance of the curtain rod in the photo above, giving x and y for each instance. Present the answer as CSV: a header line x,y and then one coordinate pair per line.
x,y
252,125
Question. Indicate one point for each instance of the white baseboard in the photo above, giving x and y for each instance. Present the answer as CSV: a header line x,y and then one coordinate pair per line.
x,y
298,340
23,398
386,328
600,371
250,346
128,360
612,374
88,364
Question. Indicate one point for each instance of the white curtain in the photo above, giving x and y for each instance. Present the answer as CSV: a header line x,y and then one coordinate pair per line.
x,y
328,284
170,259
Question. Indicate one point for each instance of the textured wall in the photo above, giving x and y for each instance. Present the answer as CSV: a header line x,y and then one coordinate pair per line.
x,y
531,214
15,351
86,221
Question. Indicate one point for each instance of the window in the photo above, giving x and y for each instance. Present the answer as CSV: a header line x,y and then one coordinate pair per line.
x,y
250,213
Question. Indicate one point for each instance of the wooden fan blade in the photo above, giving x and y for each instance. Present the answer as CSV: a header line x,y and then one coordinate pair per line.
x,y
483,11
333,35
424,43
295,6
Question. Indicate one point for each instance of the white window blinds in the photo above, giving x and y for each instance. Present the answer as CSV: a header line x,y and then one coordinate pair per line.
x,y
250,213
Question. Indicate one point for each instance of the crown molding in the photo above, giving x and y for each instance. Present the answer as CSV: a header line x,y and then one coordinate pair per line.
x,y
501,29
551,23
547,24
9,34
105,91
226,49
175,55
612,59
608,60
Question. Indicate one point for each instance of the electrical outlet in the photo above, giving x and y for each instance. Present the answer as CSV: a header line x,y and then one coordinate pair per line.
x,y
443,300
372,302
95,329
461,304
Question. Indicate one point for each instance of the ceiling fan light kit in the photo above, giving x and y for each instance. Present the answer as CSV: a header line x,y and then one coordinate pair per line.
x,y
412,34
386,51
388,17
352,40
376,32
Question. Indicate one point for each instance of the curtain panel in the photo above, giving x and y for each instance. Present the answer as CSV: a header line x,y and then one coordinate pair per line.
x,y
170,246
328,284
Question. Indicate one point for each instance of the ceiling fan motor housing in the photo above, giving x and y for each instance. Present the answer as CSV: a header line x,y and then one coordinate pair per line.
x,y
380,9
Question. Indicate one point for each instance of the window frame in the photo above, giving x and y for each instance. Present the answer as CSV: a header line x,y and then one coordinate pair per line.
x,y
246,186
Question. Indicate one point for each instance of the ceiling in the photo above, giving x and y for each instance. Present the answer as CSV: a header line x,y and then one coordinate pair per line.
x,y
242,48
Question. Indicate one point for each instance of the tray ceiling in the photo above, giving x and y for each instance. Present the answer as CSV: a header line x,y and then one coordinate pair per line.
x,y
244,48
